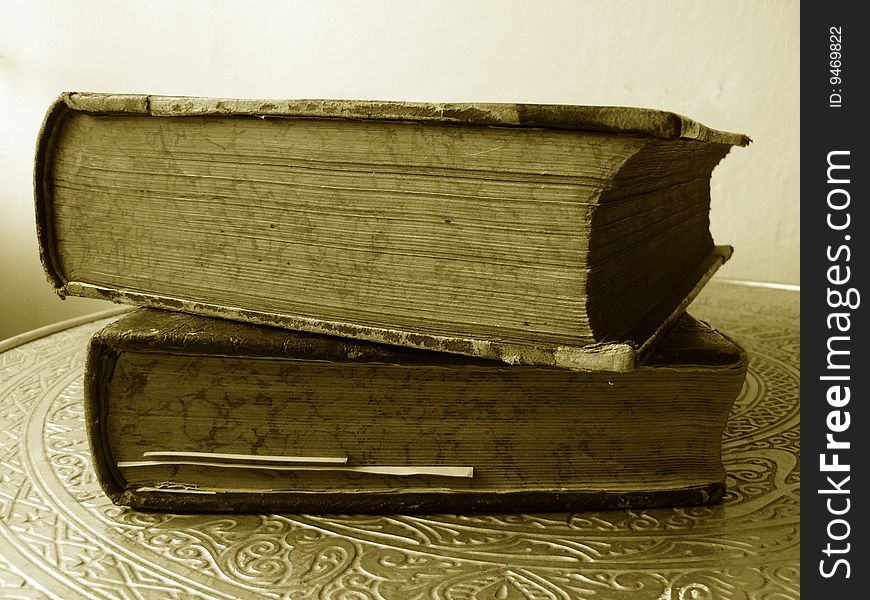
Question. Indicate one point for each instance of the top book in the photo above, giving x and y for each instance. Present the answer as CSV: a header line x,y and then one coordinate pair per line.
x,y
557,235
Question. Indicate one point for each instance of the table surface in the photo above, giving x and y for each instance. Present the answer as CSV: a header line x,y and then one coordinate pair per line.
x,y
61,537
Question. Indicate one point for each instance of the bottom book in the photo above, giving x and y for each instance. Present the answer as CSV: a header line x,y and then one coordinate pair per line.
x,y
188,413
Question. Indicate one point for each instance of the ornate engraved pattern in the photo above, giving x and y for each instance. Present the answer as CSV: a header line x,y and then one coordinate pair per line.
x,y
60,536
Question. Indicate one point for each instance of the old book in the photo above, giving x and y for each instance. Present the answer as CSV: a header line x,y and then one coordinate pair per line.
x,y
534,234
190,413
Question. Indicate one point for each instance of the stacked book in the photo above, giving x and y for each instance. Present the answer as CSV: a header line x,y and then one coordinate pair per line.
x,y
390,307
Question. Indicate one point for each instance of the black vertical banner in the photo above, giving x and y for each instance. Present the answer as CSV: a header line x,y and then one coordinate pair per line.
x,y
835,301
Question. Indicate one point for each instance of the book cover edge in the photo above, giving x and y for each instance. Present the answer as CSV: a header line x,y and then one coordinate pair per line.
x,y
613,119
620,356
349,501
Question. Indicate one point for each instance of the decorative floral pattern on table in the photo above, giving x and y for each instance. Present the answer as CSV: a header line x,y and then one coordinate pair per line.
x,y
61,537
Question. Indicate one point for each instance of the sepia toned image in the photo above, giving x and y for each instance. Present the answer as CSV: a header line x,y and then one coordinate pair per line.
x,y
400,300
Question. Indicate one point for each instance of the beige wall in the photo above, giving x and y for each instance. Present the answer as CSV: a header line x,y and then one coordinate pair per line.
x,y
729,64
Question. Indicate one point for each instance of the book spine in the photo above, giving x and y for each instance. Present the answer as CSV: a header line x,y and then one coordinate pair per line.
x,y
42,195
99,366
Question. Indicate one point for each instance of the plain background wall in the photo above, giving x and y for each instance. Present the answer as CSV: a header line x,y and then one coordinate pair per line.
x,y
730,64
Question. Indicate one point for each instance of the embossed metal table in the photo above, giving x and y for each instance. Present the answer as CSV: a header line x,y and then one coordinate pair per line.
x,y
60,537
